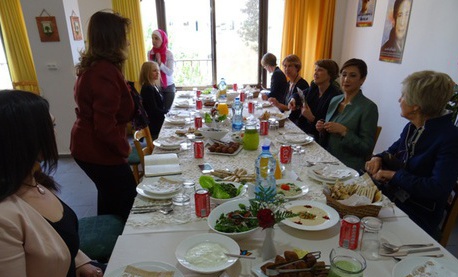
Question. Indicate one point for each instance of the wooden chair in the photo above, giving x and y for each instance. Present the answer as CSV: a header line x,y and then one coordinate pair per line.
x,y
142,151
451,210
377,134
31,86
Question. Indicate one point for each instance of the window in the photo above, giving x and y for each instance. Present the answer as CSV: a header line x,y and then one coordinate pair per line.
x,y
5,78
232,52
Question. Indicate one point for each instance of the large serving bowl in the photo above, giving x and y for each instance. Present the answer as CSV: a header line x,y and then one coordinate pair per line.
x,y
211,133
226,208
219,201
187,260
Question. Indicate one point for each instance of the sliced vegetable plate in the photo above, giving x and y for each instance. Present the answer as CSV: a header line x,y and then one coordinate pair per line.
x,y
291,189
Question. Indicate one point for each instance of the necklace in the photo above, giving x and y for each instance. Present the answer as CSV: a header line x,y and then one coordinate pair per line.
x,y
39,188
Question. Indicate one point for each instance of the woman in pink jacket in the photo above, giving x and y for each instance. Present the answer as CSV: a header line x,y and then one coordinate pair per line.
x,y
39,236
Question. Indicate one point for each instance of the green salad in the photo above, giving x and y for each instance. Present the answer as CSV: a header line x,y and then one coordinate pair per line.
x,y
219,190
228,223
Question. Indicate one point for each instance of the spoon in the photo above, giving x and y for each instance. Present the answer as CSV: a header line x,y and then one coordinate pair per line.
x,y
309,163
391,248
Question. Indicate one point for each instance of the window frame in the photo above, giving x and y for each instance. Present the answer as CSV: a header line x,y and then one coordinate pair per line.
x,y
262,35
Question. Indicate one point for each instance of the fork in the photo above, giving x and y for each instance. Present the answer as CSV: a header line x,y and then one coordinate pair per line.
x,y
431,256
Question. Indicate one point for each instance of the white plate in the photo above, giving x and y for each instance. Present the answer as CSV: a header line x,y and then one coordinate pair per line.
x,y
229,244
176,120
256,268
295,138
331,213
161,186
302,186
331,173
141,188
169,143
150,266
266,104
226,154
407,265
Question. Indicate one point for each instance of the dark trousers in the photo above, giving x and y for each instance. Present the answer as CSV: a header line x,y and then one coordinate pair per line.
x,y
116,187
168,94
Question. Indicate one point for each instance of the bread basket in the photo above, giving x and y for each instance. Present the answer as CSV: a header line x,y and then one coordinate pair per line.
x,y
359,211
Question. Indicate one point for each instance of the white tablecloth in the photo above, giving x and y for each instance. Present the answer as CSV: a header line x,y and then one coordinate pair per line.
x,y
154,236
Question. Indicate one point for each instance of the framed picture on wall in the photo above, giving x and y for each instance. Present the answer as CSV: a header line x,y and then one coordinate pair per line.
x,y
395,31
47,28
366,11
76,27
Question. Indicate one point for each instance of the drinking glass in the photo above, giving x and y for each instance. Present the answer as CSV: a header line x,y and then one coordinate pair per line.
x,y
251,137
181,198
346,263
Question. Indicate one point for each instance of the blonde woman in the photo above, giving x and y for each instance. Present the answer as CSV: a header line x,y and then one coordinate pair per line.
x,y
153,101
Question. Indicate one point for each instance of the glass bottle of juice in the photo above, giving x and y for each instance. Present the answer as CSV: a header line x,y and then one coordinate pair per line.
x,y
278,175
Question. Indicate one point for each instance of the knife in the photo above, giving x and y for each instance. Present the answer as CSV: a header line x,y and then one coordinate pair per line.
x,y
410,251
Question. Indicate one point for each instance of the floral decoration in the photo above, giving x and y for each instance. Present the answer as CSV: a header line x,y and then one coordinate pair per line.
x,y
268,208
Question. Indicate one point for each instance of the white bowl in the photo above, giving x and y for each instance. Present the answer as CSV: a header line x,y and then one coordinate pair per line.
x,y
226,208
213,133
219,201
190,242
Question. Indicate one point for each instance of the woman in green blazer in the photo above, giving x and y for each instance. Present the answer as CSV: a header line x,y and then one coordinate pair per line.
x,y
348,132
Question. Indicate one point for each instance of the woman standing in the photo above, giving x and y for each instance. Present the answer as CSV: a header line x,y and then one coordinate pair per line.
x,y
104,107
164,57
351,120
419,169
152,98
39,232
292,65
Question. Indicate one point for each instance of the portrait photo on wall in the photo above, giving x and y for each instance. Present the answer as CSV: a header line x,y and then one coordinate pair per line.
x,y
395,31
366,10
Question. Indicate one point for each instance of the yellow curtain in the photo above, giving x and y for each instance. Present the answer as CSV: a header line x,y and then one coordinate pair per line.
x,y
17,46
137,55
307,32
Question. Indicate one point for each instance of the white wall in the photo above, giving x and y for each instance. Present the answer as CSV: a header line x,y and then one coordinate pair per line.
x,y
431,43
56,85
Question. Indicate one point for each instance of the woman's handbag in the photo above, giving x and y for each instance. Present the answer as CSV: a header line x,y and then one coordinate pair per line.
x,y
140,119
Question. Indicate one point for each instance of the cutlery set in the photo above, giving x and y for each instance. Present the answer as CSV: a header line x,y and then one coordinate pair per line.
x,y
152,208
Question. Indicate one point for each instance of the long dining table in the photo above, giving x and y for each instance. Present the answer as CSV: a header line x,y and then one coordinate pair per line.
x,y
155,236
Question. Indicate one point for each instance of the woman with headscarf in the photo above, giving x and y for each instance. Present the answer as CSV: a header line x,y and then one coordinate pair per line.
x,y
164,57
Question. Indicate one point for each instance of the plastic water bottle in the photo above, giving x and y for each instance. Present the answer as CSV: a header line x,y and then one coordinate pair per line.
x,y
265,175
222,88
237,115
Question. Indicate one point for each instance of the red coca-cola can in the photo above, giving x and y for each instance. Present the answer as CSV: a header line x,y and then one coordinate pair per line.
x,y
250,107
198,149
349,232
198,93
199,104
202,200
264,128
235,87
286,154
242,96
198,122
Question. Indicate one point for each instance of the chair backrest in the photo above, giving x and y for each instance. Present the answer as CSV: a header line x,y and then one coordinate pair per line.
x,y
451,210
377,134
144,134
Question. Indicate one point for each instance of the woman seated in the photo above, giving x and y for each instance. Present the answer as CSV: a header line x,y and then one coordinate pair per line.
x,y
348,131
39,231
152,99
318,96
419,170
292,65
278,83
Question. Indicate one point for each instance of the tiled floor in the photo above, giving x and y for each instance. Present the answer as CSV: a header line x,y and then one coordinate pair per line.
x,y
78,191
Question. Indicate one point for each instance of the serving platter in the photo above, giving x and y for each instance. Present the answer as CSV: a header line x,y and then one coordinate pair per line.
x,y
226,154
313,207
415,267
